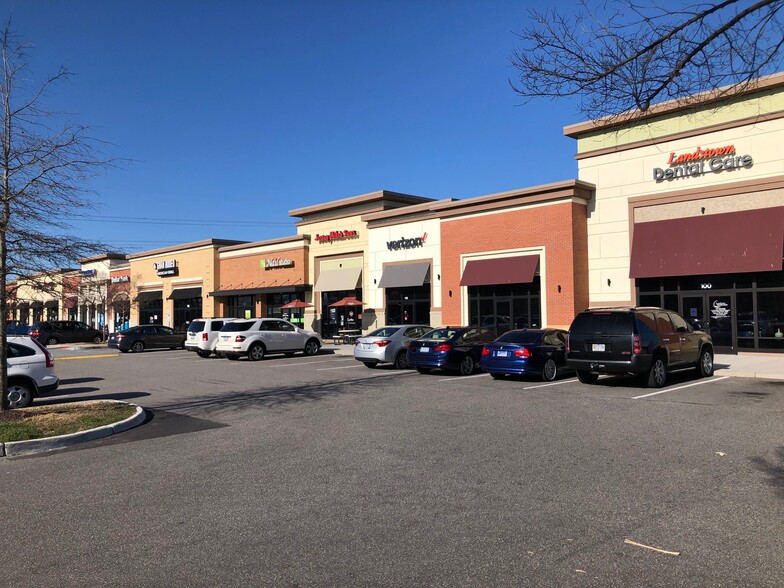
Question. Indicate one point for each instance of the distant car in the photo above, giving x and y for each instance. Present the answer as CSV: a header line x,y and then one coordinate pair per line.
x,y
536,352
203,335
54,332
30,371
16,328
255,338
388,345
143,337
449,348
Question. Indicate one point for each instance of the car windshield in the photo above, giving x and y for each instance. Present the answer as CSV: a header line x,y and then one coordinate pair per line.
x,y
521,337
384,332
603,323
442,334
237,326
196,326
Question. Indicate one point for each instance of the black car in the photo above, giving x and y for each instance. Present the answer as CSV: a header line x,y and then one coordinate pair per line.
x,y
143,337
642,341
54,332
449,348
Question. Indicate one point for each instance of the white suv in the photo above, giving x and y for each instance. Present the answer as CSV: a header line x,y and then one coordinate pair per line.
x,y
30,371
203,335
258,337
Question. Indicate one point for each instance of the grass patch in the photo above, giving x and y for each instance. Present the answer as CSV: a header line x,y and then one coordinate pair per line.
x,y
37,422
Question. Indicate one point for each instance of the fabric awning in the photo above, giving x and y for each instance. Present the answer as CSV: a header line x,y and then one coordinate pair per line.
x,y
732,242
403,276
149,296
185,293
338,280
70,302
500,270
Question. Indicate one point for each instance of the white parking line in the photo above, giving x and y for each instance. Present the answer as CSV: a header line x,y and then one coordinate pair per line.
x,y
463,377
550,384
707,381
345,367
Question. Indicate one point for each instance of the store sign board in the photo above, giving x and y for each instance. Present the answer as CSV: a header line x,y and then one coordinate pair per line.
x,y
337,236
275,263
407,243
88,273
700,162
120,279
166,268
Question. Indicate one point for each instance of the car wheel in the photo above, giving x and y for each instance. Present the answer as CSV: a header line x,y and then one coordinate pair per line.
x,y
401,361
52,341
137,347
20,395
311,347
370,364
467,366
705,364
423,370
256,352
587,377
550,371
97,339
658,374
203,353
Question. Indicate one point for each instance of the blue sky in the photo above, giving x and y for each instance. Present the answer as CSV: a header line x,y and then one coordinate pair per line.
x,y
237,112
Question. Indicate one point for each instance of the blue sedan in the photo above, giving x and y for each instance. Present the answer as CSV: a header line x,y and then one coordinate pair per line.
x,y
449,348
537,352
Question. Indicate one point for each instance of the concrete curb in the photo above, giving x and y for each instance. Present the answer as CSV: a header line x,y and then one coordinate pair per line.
x,y
17,448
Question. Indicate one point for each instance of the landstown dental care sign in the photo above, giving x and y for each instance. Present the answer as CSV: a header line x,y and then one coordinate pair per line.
x,y
407,243
702,161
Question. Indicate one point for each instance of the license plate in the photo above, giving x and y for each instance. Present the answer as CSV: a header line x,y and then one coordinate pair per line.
x,y
424,349
597,347
225,338
191,335
366,346
502,354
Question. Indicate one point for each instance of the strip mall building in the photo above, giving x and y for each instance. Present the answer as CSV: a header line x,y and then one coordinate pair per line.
x,y
681,208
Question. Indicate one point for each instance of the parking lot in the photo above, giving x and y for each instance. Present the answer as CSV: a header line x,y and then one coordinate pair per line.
x,y
320,472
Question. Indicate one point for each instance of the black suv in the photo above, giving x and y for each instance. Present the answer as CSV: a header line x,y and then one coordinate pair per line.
x,y
53,332
648,342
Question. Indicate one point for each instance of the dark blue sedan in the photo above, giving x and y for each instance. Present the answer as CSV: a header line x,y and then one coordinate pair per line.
x,y
449,348
536,352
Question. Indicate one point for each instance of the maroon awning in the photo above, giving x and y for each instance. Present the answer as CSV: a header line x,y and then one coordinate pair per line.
x,y
501,270
733,242
70,302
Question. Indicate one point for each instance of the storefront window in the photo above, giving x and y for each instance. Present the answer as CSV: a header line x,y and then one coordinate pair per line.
x,y
746,320
241,307
185,311
151,312
408,306
770,313
293,315
503,307
335,319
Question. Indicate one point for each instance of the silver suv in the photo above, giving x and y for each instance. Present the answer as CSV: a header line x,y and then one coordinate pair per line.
x,y
203,335
255,338
30,371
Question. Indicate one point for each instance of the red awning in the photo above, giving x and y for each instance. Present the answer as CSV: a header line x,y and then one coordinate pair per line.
x,y
70,302
501,270
733,242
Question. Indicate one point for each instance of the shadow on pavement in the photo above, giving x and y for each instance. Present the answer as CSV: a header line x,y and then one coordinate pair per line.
x,y
774,469
60,397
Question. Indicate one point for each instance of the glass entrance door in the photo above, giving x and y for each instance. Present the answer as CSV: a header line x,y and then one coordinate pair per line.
x,y
714,314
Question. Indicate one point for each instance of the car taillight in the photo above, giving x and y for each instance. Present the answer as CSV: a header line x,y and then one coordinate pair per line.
x,y
357,342
239,338
412,346
383,343
524,352
636,346
442,347
34,332
204,336
49,356
119,336
485,350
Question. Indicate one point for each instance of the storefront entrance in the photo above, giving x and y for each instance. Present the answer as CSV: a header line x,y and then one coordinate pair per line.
x,y
503,307
408,306
715,314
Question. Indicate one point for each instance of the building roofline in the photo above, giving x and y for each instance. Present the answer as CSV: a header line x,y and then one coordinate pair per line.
x,y
184,246
377,196
280,241
102,256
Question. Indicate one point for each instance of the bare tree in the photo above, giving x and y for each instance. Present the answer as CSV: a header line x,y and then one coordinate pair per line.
x,y
620,57
45,163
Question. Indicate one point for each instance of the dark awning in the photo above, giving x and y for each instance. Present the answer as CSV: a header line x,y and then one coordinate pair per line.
x,y
185,293
70,302
500,270
733,242
403,276
149,296
271,290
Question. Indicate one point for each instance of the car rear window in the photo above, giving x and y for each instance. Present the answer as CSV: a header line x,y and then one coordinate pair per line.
x,y
238,326
17,350
522,337
196,327
383,332
602,323
443,334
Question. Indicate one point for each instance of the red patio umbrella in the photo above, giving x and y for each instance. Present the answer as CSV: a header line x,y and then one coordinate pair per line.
x,y
296,303
348,301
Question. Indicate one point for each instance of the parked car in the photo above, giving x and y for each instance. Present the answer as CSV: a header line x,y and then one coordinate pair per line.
x,y
30,371
641,341
54,332
537,352
388,345
450,348
203,335
143,337
255,338
16,328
